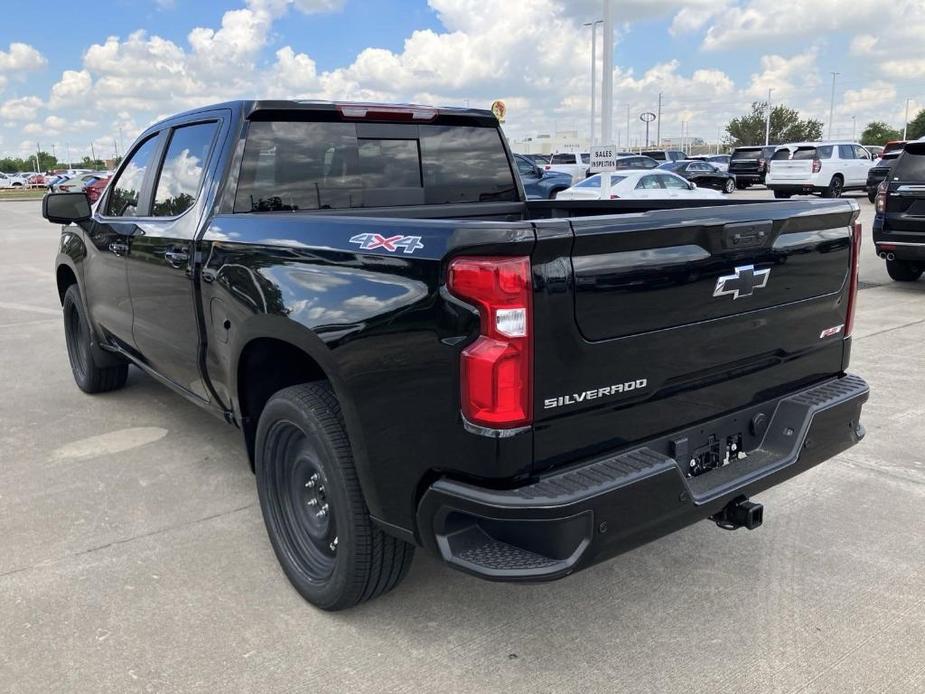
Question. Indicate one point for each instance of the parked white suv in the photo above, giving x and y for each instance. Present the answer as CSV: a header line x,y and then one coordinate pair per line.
x,y
11,180
829,168
575,164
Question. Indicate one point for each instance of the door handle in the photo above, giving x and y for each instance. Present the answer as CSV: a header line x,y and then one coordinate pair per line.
x,y
119,248
176,258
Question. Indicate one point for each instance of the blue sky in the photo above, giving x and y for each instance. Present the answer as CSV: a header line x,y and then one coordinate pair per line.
x,y
92,75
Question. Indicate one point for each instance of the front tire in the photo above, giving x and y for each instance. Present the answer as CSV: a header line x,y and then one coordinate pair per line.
x,y
781,195
729,186
89,376
313,507
901,271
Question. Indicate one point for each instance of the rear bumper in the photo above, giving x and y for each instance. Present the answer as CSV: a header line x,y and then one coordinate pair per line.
x,y
796,188
571,519
748,178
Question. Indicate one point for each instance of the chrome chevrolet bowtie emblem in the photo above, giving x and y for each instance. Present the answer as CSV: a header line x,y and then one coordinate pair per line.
x,y
744,283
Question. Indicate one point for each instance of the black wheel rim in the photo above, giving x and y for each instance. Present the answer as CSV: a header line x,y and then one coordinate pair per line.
x,y
300,505
76,338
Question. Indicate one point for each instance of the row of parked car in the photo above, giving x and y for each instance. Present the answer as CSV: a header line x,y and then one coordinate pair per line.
x,y
825,168
566,176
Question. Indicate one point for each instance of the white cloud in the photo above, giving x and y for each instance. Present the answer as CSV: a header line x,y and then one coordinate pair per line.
x,y
784,75
21,56
73,86
24,108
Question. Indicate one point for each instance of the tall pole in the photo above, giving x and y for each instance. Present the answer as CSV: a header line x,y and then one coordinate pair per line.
x,y
832,104
658,121
67,148
854,128
767,121
607,75
718,136
906,126
593,26
628,126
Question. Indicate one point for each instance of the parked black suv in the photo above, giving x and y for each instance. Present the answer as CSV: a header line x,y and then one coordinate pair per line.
x,y
750,164
899,223
879,171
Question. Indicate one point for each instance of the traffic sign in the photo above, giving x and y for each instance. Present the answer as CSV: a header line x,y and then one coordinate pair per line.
x,y
603,158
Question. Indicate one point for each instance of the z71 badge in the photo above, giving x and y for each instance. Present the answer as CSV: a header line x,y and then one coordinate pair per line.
x,y
370,242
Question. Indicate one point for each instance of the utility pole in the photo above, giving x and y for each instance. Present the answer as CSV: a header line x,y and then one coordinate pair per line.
x,y
906,126
67,148
854,128
593,26
607,76
658,122
628,126
832,104
767,121
92,152
718,137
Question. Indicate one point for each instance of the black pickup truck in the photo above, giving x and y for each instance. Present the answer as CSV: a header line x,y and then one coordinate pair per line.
x,y
418,356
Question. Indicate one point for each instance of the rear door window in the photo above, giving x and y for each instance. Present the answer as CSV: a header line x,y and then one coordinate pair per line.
x,y
674,182
562,159
184,165
846,152
652,182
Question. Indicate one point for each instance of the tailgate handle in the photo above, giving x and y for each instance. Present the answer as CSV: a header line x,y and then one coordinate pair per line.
x,y
746,234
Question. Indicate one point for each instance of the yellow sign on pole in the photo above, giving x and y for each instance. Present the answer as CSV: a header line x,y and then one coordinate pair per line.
x,y
499,109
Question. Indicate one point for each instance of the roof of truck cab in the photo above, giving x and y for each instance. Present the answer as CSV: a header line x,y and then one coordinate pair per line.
x,y
247,108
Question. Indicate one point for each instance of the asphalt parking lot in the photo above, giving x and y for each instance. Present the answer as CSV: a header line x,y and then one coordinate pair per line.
x,y
133,555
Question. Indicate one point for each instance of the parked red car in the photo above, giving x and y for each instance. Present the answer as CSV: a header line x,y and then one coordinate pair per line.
x,y
95,189
36,180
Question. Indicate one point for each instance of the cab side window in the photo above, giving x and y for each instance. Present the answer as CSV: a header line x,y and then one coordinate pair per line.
x,y
649,183
123,200
184,165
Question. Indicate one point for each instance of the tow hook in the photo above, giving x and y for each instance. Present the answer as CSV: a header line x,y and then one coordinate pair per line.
x,y
739,513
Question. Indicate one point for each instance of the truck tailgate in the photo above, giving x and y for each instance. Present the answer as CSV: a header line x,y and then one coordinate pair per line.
x,y
667,318
791,169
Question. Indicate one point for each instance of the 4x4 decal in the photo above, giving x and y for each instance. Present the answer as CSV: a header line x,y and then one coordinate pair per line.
x,y
369,242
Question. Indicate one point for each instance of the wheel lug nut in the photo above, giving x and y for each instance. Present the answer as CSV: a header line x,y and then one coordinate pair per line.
x,y
313,502
322,512
312,481
333,544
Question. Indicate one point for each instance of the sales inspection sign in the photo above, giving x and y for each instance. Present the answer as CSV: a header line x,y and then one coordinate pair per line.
x,y
603,158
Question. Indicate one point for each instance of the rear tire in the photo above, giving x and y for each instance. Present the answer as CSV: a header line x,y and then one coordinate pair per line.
x,y
313,507
779,194
89,376
901,271
729,186
835,188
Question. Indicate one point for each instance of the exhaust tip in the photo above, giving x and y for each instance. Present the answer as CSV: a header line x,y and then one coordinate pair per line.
x,y
882,255
891,256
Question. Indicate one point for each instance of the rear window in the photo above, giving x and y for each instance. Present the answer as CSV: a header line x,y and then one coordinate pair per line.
x,y
562,159
671,165
911,164
595,181
824,152
586,158
297,165
781,154
893,147
746,154
660,156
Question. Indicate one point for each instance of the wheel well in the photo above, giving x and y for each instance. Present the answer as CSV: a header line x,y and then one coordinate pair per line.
x,y
66,278
266,366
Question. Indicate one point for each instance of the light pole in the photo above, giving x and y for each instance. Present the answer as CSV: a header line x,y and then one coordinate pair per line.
x,y
593,26
906,125
658,122
854,128
607,76
767,121
832,104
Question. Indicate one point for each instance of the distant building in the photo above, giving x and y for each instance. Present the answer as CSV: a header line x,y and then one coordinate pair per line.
x,y
545,143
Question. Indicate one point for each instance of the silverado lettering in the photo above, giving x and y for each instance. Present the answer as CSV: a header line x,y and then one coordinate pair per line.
x,y
575,398
366,292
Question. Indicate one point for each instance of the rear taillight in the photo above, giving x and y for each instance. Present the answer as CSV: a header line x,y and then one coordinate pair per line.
x,y
496,369
853,278
817,165
614,197
880,200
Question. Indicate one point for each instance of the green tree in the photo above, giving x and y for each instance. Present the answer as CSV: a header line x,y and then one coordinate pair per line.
x,y
88,163
879,133
786,126
916,127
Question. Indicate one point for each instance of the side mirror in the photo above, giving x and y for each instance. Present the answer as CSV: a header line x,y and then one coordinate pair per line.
x,y
539,172
693,186
66,208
